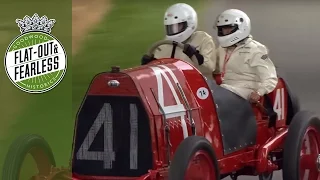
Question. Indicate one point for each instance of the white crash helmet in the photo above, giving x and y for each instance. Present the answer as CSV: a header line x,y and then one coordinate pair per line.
x,y
233,18
180,21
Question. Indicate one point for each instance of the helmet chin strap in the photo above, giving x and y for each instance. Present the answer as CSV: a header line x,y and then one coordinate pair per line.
x,y
183,42
243,40
239,43
231,47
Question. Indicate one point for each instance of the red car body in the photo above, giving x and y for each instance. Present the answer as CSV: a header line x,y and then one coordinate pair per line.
x,y
173,90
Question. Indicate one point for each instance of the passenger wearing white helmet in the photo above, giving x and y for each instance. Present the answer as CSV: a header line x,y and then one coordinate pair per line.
x,y
181,21
244,64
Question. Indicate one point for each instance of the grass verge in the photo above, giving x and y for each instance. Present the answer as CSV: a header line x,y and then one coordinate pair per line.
x,y
48,114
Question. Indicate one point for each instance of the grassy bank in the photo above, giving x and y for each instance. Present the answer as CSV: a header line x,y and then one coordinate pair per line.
x,y
48,114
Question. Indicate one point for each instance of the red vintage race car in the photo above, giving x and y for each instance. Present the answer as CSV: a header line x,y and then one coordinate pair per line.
x,y
165,120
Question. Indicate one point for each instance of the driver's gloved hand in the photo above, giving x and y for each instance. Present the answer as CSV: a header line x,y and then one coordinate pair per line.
x,y
189,50
146,59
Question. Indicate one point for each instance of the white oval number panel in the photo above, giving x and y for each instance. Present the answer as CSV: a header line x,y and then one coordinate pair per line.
x,y
202,93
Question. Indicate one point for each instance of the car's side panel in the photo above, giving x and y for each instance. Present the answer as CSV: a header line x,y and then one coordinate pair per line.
x,y
160,86
210,125
143,80
236,119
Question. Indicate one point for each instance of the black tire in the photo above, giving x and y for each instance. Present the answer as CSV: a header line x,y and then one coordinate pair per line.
x,y
18,150
266,176
293,143
184,154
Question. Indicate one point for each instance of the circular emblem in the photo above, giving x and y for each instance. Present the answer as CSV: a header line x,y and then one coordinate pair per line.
x,y
202,93
35,62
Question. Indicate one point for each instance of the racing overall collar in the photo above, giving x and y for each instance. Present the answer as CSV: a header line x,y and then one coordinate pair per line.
x,y
244,41
230,50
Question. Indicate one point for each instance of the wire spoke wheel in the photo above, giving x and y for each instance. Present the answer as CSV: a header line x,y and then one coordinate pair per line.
x,y
28,156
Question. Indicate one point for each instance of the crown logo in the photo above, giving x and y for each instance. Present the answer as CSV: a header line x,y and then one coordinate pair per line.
x,y
35,23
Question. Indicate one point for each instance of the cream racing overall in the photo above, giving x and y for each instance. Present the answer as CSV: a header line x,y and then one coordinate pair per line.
x,y
247,68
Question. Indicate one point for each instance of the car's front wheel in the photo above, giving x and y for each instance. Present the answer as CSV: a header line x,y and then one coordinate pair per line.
x,y
33,146
301,156
194,159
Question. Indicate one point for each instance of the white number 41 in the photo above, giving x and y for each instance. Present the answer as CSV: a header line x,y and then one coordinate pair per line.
x,y
108,155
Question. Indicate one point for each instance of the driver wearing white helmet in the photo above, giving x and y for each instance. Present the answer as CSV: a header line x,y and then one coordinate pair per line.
x,y
181,22
244,64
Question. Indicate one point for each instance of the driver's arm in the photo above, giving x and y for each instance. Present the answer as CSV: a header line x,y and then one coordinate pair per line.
x,y
266,71
208,51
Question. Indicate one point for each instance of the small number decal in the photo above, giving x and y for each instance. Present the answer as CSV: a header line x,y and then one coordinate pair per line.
x,y
278,106
202,93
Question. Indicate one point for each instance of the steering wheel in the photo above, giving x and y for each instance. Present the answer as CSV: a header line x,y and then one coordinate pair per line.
x,y
153,48
163,42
